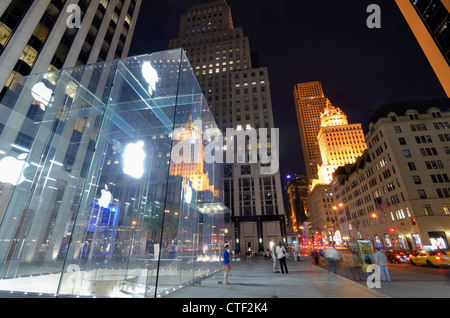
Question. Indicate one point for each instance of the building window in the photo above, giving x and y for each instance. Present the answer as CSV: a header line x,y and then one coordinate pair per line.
x,y
422,193
411,166
427,209
445,208
397,129
406,153
417,180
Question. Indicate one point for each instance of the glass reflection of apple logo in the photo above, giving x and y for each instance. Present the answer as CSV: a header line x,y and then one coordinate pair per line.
x,y
105,198
150,76
133,159
11,169
188,193
42,94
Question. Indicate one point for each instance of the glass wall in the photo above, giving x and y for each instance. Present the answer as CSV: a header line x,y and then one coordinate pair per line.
x,y
104,189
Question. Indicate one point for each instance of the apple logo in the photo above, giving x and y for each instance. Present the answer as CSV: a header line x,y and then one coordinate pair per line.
x,y
188,193
105,198
150,76
11,169
42,94
133,159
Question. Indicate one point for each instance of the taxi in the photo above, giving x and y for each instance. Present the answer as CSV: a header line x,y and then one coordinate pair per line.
x,y
430,258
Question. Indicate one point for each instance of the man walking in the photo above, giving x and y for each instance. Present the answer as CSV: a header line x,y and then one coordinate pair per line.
x,y
381,260
274,257
281,253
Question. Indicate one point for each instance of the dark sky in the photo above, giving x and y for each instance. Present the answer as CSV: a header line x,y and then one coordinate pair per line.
x,y
320,40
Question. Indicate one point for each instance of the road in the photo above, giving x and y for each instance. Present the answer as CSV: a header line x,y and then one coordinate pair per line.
x,y
409,281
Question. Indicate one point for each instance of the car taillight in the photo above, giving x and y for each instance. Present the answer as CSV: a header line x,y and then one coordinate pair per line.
x,y
397,256
437,258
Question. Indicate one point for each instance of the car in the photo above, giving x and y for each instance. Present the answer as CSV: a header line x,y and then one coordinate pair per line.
x,y
397,256
430,258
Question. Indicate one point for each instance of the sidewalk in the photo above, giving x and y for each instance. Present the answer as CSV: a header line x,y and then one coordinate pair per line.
x,y
255,279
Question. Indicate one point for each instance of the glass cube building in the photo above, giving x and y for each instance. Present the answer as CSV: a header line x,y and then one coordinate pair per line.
x,y
104,186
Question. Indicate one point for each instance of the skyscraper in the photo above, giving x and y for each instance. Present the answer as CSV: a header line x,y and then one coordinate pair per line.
x,y
39,36
429,20
309,103
340,143
239,97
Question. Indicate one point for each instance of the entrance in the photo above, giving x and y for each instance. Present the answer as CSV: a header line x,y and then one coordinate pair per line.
x,y
438,240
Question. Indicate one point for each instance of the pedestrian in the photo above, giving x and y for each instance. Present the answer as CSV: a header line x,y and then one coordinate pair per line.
x,y
322,257
333,257
281,254
274,258
356,265
381,261
315,255
226,263
296,252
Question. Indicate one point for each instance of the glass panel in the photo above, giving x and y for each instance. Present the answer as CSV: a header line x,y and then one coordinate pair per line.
x,y
93,190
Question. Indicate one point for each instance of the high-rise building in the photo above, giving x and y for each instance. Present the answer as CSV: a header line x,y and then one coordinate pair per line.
x,y
296,188
310,102
429,21
398,193
43,35
340,143
239,97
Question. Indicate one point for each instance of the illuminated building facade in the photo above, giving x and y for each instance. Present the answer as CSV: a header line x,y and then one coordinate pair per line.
x,y
398,193
91,206
238,93
194,169
340,143
310,102
429,21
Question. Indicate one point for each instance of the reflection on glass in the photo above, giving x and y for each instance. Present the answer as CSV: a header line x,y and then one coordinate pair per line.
x,y
92,203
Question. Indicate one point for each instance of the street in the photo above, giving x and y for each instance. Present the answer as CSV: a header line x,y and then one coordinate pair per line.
x,y
408,281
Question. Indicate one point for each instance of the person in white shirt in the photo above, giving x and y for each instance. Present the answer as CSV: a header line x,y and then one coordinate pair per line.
x,y
274,257
281,254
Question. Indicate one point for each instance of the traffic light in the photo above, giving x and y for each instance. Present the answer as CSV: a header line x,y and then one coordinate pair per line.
x,y
391,230
413,221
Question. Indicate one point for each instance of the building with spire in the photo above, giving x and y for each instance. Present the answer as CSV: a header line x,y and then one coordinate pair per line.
x,y
239,97
340,143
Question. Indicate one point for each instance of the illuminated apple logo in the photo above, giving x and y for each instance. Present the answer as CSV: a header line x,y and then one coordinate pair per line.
x,y
105,198
133,160
150,76
11,169
42,94
188,193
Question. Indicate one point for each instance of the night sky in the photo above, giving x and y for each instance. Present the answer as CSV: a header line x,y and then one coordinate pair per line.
x,y
320,40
